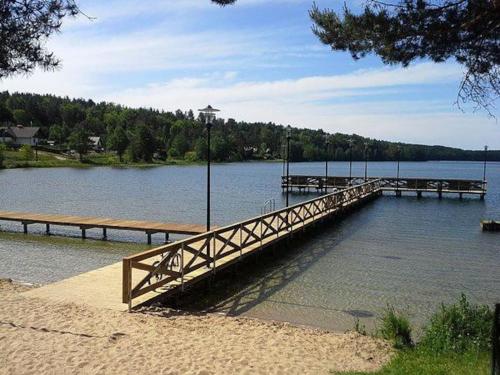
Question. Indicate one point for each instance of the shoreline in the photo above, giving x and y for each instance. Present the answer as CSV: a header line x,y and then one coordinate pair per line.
x,y
41,336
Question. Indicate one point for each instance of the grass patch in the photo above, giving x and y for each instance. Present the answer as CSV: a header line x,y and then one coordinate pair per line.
x,y
395,327
457,341
423,362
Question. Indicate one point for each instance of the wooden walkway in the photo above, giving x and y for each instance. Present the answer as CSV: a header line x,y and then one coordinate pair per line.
x,y
419,185
172,268
85,223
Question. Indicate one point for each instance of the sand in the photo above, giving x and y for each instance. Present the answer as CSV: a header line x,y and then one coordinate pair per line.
x,y
39,336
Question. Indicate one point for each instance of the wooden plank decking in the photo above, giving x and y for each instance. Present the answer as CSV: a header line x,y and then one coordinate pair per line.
x,y
84,223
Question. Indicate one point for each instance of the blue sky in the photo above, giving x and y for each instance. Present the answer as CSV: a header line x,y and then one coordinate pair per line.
x,y
256,61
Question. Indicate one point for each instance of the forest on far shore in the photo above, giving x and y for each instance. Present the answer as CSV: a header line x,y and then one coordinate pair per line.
x,y
144,133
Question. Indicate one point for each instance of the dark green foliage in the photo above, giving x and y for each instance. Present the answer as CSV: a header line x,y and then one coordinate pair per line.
x,y
24,27
118,141
142,144
175,134
459,328
395,327
79,140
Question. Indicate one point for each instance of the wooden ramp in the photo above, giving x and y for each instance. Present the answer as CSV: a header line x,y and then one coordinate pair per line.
x,y
175,267
84,223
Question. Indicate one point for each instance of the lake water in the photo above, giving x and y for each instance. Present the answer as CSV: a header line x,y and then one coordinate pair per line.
x,y
413,253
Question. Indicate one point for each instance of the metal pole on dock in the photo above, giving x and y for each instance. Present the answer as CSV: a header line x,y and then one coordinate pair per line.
x,y
288,136
327,142
283,156
366,161
350,160
209,114
485,161
397,178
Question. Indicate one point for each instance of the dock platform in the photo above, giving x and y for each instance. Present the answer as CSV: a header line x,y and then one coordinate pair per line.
x,y
418,185
85,223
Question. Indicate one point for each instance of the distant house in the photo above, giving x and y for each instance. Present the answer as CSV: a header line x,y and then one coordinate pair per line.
x,y
96,143
19,135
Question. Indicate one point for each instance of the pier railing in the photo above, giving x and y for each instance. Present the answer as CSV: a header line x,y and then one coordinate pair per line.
x,y
173,266
423,184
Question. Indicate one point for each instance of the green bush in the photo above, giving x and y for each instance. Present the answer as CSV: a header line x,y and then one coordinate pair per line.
x,y
27,153
459,328
395,327
190,156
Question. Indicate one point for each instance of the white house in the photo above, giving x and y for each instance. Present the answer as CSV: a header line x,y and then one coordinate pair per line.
x,y
96,143
19,135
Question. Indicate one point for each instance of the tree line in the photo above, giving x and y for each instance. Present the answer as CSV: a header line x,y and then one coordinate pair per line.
x,y
144,134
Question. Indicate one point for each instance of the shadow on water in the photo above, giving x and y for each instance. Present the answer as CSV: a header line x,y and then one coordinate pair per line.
x,y
240,288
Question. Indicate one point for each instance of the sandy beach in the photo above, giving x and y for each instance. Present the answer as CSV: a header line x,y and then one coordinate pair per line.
x,y
39,336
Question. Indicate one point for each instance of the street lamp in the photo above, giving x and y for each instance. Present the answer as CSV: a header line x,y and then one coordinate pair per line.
x,y
350,160
366,161
288,136
485,160
327,144
283,157
397,178
209,116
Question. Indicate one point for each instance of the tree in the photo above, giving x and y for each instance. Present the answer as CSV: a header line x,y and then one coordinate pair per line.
x,y
79,141
404,31
2,154
142,145
118,141
24,27
56,134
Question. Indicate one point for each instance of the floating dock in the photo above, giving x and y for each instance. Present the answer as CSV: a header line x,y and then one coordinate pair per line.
x,y
85,223
490,225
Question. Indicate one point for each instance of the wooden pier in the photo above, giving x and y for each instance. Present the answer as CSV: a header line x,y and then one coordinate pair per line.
x,y
85,223
173,268
416,185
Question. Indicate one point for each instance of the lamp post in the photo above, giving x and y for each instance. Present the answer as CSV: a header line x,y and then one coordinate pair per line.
x,y
350,161
288,136
283,156
209,116
327,144
366,161
36,150
397,176
485,160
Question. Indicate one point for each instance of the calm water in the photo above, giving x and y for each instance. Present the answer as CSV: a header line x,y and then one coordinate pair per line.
x,y
405,251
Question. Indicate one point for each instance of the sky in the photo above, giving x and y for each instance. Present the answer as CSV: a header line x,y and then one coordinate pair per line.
x,y
255,61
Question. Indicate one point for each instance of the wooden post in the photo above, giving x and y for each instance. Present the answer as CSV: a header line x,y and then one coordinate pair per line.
x,y
149,238
84,235
167,237
419,194
126,280
25,228
104,234
47,229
